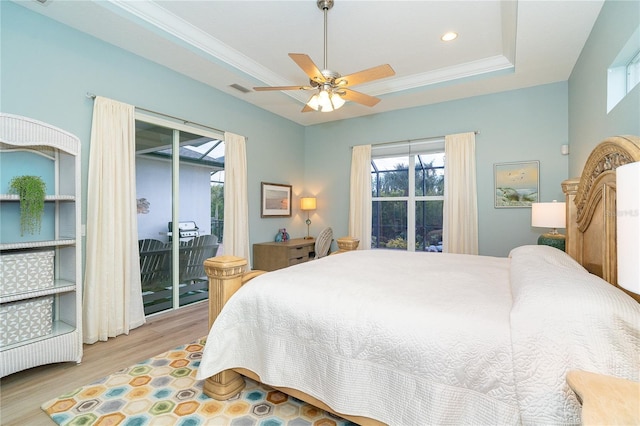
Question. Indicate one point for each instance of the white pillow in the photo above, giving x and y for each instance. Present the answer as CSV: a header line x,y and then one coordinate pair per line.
x,y
547,254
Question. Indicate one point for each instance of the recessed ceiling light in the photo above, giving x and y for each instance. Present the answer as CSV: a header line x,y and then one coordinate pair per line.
x,y
449,36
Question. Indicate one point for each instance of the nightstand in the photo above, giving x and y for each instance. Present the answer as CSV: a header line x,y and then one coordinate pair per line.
x,y
606,400
277,255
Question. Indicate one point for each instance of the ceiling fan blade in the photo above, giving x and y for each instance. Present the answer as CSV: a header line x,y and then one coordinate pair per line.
x,y
307,108
307,65
361,98
264,89
375,73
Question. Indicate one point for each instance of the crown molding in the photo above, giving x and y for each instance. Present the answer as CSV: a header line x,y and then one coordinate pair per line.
x,y
442,75
167,24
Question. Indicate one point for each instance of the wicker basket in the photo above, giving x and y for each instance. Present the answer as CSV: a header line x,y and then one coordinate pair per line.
x,y
26,271
348,243
25,319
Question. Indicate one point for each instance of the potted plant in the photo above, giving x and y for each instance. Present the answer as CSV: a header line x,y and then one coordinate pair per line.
x,y
31,190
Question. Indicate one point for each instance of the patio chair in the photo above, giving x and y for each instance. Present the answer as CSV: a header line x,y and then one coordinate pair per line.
x,y
155,265
193,253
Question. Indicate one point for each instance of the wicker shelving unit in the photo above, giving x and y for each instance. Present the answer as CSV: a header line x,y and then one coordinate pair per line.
x,y
33,147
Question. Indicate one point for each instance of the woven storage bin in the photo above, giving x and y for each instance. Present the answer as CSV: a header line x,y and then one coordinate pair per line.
x,y
25,271
348,243
25,319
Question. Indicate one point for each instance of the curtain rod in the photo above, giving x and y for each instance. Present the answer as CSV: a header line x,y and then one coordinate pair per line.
x,y
93,96
477,132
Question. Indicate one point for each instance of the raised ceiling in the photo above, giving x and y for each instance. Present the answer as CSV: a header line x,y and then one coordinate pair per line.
x,y
502,45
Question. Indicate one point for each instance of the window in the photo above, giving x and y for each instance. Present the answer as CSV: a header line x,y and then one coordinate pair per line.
x,y
407,207
185,189
633,72
624,73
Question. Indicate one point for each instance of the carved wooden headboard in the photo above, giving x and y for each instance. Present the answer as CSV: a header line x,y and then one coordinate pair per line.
x,y
591,207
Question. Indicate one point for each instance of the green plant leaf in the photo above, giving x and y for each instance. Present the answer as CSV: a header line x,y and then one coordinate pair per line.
x,y
32,191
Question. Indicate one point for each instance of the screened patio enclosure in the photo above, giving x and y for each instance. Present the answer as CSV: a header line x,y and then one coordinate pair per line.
x,y
179,187
407,201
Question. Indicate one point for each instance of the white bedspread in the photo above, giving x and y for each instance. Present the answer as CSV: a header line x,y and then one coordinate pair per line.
x,y
424,338
564,318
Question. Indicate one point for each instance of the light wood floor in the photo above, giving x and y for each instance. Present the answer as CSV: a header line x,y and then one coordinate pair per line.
x,y
23,392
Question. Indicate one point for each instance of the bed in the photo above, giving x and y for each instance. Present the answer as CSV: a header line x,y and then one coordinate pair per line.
x,y
475,339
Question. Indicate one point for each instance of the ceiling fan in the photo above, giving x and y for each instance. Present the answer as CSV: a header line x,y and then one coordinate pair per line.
x,y
333,89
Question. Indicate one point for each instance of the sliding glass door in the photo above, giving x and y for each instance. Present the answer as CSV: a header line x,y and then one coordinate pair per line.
x,y
177,226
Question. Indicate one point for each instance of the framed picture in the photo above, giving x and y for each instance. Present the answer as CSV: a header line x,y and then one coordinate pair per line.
x,y
276,200
516,184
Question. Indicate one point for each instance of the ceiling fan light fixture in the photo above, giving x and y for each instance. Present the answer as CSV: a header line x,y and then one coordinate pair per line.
x,y
333,90
313,102
337,101
326,101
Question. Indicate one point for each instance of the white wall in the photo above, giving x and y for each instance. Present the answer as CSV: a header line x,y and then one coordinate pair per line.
x,y
153,182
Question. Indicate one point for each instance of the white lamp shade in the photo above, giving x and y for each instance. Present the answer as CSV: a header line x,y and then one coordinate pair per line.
x,y
336,100
628,226
548,215
307,203
313,102
325,101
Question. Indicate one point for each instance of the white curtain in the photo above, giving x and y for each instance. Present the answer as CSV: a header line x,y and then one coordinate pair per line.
x,y
460,211
236,207
112,290
360,198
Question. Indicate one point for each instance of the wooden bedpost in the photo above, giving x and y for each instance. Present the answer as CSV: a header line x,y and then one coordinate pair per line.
x,y
225,278
573,237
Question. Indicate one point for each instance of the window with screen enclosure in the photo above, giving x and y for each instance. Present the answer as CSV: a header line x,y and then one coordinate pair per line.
x,y
407,182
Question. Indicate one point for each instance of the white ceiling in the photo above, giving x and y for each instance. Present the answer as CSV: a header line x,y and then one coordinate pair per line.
x,y
502,45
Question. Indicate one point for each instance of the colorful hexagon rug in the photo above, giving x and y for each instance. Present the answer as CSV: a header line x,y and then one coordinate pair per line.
x,y
163,391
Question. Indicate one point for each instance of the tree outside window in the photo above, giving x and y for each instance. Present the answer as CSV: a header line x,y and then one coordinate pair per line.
x,y
400,198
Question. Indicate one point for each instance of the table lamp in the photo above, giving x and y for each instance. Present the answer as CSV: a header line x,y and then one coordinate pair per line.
x,y
308,204
628,226
549,215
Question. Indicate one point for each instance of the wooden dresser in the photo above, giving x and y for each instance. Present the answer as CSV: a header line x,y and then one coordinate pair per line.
x,y
277,255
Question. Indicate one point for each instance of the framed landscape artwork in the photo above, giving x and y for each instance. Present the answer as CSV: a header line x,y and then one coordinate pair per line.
x,y
275,200
516,184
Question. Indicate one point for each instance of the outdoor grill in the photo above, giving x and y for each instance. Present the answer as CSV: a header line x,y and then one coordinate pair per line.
x,y
186,229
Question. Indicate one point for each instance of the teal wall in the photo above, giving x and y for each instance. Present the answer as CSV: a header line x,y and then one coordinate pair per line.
x,y
520,125
589,122
47,68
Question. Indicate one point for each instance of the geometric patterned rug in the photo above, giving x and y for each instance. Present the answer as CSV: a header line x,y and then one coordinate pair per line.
x,y
163,391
